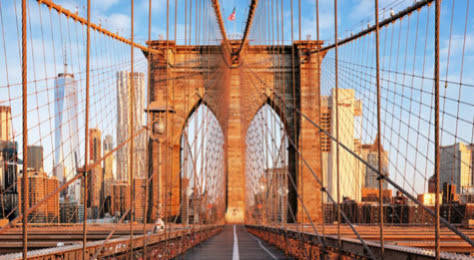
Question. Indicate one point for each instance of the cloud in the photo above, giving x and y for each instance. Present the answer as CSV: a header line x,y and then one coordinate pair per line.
x,y
457,43
96,6
157,6
117,22
104,4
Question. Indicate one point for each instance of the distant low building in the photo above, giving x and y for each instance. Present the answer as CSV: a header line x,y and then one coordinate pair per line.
x,y
69,212
428,199
372,195
40,186
120,198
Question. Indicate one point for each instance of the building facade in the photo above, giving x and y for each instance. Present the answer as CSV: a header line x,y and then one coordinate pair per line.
x,y
370,155
350,173
5,123
40,186
124,95
95,195
109,164
35,157
455,167
8,175
120,198
66,131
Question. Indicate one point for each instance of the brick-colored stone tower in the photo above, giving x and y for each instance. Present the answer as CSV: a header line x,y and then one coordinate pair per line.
x,y
234,89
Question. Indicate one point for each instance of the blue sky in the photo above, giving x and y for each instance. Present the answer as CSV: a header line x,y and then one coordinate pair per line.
x,y
115,15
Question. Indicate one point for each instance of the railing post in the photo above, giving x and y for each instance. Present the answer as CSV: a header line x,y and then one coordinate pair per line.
x,y
379,145
436,141
24,68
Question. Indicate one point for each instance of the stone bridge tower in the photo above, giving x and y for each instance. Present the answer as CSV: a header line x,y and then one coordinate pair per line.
x,y
234,89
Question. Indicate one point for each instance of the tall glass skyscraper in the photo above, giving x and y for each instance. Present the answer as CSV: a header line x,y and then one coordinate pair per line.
x,y
66,138
123,123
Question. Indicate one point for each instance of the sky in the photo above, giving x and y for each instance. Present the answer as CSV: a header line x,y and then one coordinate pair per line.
x,y
115,15
51,38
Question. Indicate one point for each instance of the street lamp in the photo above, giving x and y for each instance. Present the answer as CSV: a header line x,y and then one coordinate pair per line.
x,y
156,113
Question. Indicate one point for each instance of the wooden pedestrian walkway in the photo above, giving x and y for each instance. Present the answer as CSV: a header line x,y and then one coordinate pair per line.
x,y
235,243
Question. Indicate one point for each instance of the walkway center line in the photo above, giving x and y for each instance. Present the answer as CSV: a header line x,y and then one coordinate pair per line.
x,y
235,253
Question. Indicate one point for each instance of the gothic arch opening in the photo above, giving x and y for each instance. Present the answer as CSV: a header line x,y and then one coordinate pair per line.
x,y
266,168
202,168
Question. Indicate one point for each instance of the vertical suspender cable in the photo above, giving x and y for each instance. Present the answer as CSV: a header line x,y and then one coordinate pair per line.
x,y
319,107
146,168
298,168
175,20
338,206
164,168
88,51
379,145
24,68
131,130
436,141
299,20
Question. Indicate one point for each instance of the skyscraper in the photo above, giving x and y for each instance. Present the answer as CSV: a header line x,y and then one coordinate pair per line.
x,y
349,171
370,155
325,140
95,147
5,123
455,167
66,130
108,166
8,151
9,154
123,123
96,174
35,157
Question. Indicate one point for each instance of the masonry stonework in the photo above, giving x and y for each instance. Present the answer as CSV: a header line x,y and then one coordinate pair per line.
x,y
183,77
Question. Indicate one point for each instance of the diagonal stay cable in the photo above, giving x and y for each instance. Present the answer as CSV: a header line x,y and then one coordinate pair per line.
x,y
62,10
320,183
248,25
383,23
76,177
220,22
321,241
394,184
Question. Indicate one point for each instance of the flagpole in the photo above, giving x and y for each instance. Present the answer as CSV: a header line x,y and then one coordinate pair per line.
x,y
233,11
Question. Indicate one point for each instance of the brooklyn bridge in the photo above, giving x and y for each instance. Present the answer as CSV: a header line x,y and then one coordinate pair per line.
x,y
206,129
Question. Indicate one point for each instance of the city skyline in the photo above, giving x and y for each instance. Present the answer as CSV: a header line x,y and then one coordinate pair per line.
x,y
140,129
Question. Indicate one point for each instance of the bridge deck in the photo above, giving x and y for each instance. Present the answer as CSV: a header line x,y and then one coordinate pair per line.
x,y
234,242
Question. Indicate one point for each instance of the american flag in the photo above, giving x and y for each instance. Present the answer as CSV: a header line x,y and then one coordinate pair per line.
x,y
232,16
